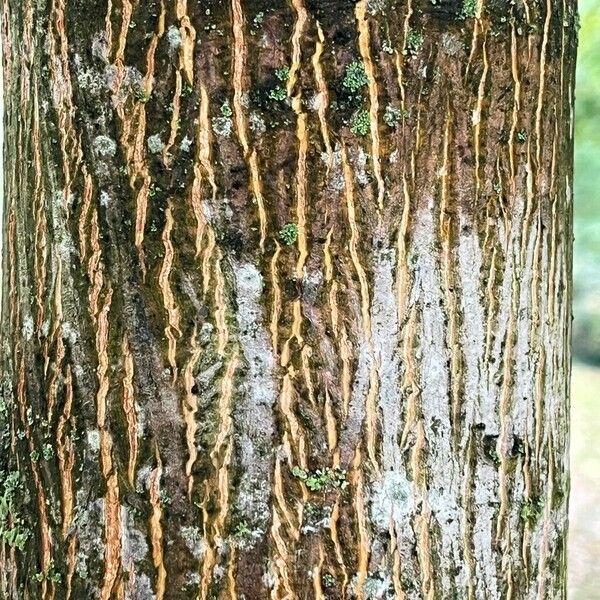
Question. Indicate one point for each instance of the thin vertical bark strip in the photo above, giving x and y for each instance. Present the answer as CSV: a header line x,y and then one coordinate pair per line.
x,y
286,299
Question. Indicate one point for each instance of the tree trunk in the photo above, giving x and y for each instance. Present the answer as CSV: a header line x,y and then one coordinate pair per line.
x,y
287,299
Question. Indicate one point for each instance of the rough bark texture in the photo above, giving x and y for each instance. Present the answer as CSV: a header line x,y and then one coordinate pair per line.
x,y
287,299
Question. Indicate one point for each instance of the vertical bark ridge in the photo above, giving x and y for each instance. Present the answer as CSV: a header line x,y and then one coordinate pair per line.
x,y
239,75
364,42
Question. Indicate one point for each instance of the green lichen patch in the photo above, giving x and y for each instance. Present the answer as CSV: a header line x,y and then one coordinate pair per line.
x,y
283,74
223,124
257,22
49,574
279,92
469,9
226,110
245,536
413,42
355,77
12,526
242,534
321,479
361,123
288,234
142,95
532,510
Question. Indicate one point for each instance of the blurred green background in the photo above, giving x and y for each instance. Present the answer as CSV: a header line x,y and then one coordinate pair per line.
x,y
584,540
586,332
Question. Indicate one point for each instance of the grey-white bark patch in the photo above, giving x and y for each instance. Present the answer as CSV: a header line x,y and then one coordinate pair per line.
x,y
315,102
368,344
89,521
311,285
206,332
335,181
473,328
487,582
69,334
192,579
142,591
143,478
64,240
27,329
100,47
207,376
254,416
133,541
392,499
378,586
521,416
257,123
121,86
384,311
435,400
376,6
360,161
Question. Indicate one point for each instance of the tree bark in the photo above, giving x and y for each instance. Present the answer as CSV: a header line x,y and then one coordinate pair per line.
x,y
287,299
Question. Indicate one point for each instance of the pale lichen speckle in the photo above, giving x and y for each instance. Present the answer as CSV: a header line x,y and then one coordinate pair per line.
x,y
391,500
155,144
452,44
194,541
257,123
222,126
93,440
105,146
174,37
186,144
69,332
